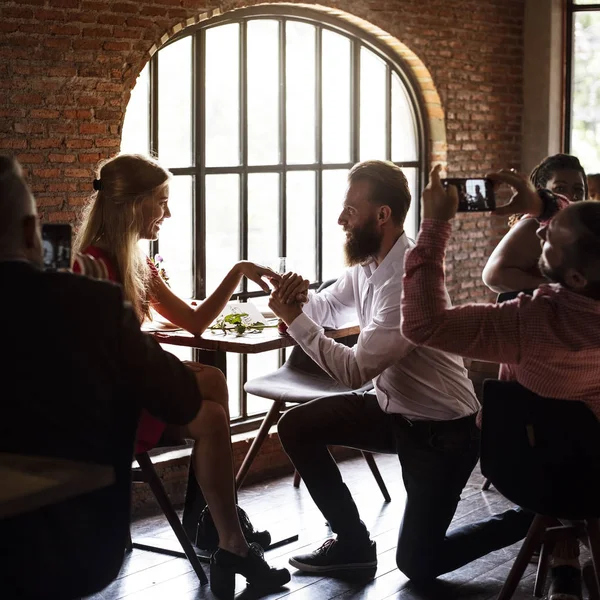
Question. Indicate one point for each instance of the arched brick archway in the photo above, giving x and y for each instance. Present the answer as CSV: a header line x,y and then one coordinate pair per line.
x,y
420,76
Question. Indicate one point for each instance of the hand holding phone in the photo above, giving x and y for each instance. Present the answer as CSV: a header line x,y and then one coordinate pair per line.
x,y
474,195
56,246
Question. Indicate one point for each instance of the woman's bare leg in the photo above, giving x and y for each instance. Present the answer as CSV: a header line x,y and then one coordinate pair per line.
x,y
212,457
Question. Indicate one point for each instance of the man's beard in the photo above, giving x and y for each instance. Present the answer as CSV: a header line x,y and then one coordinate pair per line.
x,y
362,243
552,274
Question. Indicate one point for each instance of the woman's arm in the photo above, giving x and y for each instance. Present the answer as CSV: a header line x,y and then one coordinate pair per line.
x,y
197,319
513,264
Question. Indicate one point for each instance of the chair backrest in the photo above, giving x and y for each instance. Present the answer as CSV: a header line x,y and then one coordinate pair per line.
x,y
541,453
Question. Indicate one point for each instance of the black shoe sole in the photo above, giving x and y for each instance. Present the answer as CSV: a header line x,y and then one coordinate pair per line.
x,y
358,570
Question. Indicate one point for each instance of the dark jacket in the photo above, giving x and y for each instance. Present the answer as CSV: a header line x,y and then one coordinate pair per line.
x,y
76,374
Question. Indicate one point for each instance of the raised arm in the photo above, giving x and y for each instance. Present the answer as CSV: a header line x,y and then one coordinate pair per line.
x,y
482,331
513,265
197,319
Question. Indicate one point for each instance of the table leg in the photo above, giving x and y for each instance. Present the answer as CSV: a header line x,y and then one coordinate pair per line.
x,y
194,502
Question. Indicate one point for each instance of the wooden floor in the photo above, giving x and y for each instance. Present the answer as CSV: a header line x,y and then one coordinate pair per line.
x,y
283,510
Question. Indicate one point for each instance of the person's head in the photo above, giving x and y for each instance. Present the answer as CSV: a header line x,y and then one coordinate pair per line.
x,y
376,202
561,174
20,236
130,204
593,181
571,249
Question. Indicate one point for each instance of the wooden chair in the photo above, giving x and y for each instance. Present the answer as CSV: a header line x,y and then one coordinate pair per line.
x,y
503,297
146,473
544,455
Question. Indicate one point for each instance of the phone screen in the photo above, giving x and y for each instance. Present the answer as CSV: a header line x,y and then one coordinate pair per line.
x,y
474,195
56,245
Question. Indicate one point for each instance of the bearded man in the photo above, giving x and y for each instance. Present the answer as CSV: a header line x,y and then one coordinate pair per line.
x,y
423,407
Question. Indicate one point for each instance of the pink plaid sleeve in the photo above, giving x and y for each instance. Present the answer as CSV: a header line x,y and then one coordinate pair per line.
x,y
481,331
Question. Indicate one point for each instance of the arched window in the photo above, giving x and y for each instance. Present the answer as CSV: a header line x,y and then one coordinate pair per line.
x,y
259,114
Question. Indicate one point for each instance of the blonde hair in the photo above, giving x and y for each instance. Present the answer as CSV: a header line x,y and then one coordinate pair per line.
x,y
112,219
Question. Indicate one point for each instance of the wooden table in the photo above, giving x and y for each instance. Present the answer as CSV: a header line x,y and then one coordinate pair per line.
x,y
212,349
214,346
30,482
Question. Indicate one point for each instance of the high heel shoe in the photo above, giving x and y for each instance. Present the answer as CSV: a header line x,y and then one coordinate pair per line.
x,y
259,575
207,537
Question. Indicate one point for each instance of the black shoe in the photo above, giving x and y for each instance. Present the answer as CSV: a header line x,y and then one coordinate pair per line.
x,y
565,583
334,557
259,575
207,537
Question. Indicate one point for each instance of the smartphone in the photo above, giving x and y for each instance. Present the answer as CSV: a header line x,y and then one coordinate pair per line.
x,y
474,195
56,245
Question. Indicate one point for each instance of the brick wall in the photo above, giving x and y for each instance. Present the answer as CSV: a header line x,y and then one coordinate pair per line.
x,y
67,68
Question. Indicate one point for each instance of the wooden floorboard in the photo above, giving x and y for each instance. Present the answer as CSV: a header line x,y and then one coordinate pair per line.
x,y
282,509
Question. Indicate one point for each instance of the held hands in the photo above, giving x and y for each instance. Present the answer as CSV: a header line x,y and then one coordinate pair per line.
x,y
290,293
256,273
286,312
292,288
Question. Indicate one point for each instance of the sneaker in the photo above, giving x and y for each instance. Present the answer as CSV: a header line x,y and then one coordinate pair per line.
x,y
565,583
334,557
207,537
259,575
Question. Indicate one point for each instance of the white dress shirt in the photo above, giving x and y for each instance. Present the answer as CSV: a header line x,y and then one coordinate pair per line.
x,y
417,382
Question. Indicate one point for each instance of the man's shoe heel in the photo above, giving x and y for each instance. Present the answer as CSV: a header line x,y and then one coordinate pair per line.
x,y
222,581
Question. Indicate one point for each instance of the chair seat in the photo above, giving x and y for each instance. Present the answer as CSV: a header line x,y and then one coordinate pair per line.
x,y
289,384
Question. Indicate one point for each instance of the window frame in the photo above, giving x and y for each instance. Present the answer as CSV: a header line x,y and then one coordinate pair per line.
x,y
571,9
322,21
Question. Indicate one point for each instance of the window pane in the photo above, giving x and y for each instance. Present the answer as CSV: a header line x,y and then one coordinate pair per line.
x,y
233,383
585,133
411,223
301,224
259,365
336,98
372,106
587,2
181,352
334,189
175,241
136,126
263,92
300,98
222,198
175,103
263,220
404,139
222,95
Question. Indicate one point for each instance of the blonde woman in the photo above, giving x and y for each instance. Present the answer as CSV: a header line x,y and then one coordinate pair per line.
x,y
130,203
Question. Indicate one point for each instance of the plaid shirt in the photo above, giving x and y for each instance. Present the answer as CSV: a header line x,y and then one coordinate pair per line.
x,y
548,342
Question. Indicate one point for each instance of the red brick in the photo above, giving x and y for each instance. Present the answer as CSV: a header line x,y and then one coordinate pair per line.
x,y
46,143
26,159
76,143
79,173
62,158
92,128
43,113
